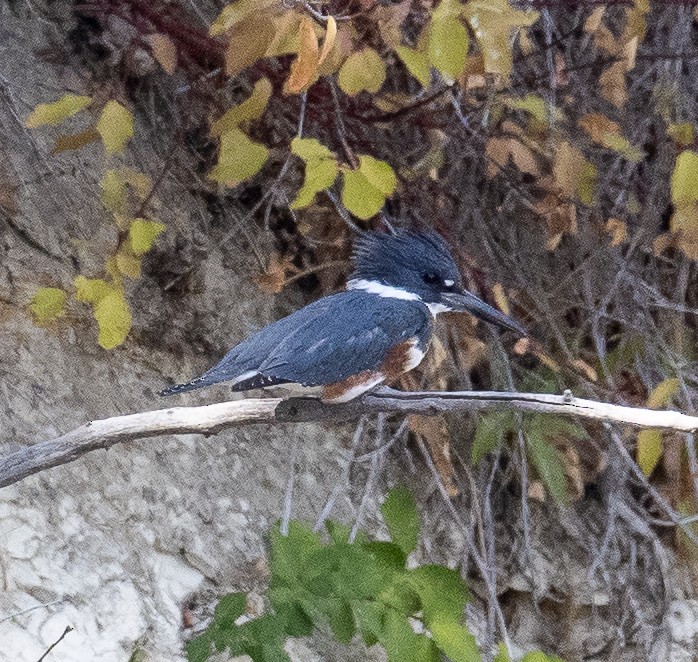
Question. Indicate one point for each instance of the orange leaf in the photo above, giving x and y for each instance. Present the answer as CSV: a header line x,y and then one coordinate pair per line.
x,y
305,66
75,140
164,51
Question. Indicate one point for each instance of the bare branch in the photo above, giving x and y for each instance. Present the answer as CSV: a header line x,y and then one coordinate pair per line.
x,y
211,419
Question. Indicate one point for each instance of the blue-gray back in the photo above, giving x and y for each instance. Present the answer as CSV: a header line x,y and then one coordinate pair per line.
x,y
328,340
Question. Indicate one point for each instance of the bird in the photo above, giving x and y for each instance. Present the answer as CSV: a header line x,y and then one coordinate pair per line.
x,y
351,342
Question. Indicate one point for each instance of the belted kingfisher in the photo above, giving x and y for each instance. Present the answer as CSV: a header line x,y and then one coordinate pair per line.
x,y
353,341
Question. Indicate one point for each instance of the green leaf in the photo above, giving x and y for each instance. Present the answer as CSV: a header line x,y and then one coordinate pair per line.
x,y
502,654
298,622
113,195
91,290
239,159
229,608
387,554
369,617
489,433
416,62
455,641
200,648
113,319
363,70
57,111
402,644
366,188
684,179
252,108
442,592
320,170
289,553
649,449
448,46
143,234
342,622
48,304
115,126
546,460
401,518
538,656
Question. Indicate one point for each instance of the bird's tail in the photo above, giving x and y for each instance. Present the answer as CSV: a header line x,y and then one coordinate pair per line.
x,y
199,382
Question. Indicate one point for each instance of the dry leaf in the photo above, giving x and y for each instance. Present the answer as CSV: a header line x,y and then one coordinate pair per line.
x,y
304,67
587,370
598,126
164,51
330,37
502,150
273,280
618,230
522,346
435,433
536,491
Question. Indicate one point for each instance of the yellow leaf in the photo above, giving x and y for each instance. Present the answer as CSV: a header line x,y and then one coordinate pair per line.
x,y
128,265
91,290
224,20
416,62
113,319
448,46
113,192
304,67
534,105
48,304
363,70
320,170
54,113
143,233
137,180
239,158
115,125
249,42
365,189
495,23
501,299
330,37
251,108
587,183
682,133
164,51
649,450
684,179
75,140
662,393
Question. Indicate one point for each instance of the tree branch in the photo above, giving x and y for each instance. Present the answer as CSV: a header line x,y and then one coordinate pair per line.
x,y
211,419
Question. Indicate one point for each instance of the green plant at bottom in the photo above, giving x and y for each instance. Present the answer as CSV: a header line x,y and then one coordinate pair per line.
x,y
362,587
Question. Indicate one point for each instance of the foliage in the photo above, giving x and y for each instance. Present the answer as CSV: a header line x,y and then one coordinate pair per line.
x,y
351,587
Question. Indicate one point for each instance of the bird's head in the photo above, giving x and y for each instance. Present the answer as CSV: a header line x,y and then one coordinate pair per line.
x,y
418,266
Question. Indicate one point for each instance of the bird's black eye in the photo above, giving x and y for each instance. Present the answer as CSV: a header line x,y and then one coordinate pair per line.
x,y
430,279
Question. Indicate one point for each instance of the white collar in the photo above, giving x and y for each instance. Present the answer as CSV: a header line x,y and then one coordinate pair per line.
x,y
390,292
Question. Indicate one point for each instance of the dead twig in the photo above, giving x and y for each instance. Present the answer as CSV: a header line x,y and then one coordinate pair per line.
x,y
211,419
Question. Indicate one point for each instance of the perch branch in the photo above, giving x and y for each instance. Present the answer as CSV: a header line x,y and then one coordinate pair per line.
x,y
211,419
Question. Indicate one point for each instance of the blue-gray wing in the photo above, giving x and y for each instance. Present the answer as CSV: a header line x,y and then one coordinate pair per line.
x,y
326,342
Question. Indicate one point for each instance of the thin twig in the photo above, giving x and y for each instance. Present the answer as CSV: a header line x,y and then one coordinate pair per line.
x,y
68,629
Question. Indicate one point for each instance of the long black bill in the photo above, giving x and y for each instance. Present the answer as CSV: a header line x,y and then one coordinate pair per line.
x,y
465,302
